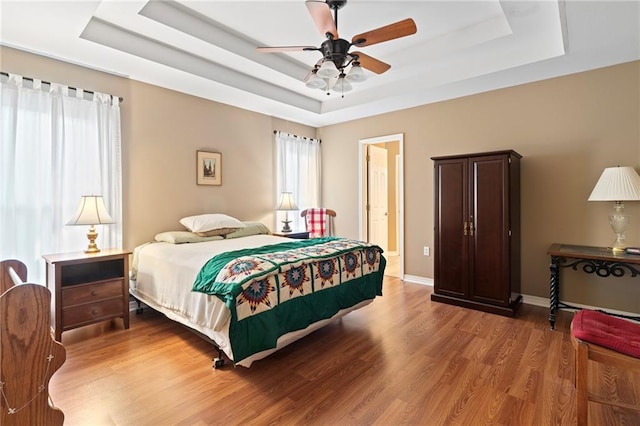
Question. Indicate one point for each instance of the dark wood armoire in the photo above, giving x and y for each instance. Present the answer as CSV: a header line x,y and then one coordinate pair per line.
x,y
477,231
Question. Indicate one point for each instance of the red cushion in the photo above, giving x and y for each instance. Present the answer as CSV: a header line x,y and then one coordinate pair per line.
x,y
607,331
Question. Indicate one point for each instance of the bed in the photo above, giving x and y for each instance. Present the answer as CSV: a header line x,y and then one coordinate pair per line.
x,y
255,293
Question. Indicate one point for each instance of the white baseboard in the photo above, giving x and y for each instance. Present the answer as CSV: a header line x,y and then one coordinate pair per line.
x,y
544,302
418,280
535,300
529,300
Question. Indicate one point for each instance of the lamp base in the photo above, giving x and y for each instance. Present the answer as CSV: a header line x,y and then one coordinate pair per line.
x,y
92,235
619,220
286,227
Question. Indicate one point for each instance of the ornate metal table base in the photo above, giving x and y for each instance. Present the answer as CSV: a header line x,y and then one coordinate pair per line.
x,y
591,260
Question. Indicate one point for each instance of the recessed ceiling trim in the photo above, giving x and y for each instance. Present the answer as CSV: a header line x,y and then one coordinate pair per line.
x,y
562,9
108,34
456,52
188,21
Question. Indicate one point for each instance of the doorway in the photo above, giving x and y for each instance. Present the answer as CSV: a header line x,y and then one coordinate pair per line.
x,y
381,194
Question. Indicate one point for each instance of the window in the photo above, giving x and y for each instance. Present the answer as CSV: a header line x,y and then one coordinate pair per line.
x,y
298,170
56,145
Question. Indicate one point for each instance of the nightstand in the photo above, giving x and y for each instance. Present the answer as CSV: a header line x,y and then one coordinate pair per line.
x,y
88,288
296,235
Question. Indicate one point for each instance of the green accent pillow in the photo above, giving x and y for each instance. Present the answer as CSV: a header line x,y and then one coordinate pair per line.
x,y
181,237
251,228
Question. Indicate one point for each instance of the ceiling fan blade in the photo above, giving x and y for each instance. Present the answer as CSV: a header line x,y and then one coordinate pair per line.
x,y
370,63
389,32
273,49
321,15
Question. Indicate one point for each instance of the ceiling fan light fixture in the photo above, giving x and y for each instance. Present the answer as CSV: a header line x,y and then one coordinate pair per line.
x,y
342,85
356,74
336,57
328,70
316,82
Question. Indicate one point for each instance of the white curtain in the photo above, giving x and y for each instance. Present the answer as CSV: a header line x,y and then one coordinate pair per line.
x,y
298,170
56,144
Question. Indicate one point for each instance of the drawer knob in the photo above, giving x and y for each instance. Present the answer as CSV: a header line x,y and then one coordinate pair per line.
x,y
94,312
94,293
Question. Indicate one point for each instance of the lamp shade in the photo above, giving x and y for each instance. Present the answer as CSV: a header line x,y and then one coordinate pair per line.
x,y
356,74
315,82
91,212
342,85
328,70
617,184
286,202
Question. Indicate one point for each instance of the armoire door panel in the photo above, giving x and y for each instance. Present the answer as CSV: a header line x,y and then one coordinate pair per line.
x,y
451,203
490,251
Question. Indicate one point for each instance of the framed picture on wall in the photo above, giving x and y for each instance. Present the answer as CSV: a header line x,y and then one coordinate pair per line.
x,y
209,168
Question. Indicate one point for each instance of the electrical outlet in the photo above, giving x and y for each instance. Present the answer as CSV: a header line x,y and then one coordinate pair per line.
x,y
426,250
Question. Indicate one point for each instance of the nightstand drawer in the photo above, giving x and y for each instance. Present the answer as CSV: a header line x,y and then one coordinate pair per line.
x,y
91,312
89,293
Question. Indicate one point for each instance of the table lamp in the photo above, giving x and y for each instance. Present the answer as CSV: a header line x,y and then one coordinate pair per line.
x,y
286,204
617,184
91,212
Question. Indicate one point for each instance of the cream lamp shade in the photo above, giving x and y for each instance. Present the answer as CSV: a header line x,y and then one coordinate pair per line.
x,y
617,184
286,204
91,211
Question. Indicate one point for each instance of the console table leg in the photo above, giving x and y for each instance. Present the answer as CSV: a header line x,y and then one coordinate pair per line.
x,y
554,290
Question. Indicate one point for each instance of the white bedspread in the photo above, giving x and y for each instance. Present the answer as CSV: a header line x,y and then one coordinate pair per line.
x,y
164,276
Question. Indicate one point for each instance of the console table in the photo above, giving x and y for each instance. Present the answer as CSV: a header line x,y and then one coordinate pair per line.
x,y
601,261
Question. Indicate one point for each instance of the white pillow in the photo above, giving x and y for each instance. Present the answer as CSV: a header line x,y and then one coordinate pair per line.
x,y
182,237
209,222
252,228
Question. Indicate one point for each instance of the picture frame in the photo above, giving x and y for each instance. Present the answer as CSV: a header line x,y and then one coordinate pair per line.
x,y
208,168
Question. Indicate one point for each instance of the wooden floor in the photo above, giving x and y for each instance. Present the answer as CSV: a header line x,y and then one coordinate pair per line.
x,y
401,360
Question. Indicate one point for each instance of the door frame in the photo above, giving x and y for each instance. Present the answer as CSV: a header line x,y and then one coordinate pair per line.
x,y
362,187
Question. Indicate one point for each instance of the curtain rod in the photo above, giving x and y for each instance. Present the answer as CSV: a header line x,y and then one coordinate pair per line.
x,y
296,136
49,83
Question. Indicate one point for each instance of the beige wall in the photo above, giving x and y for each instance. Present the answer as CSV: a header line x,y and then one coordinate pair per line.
x,y
568,130
161,132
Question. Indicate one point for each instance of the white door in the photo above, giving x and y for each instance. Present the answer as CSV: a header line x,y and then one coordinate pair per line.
x,y
378,202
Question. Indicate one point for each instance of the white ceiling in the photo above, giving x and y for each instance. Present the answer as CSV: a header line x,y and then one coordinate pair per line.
x,y
207,48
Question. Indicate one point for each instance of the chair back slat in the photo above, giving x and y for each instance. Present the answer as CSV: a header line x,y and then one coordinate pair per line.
x,y
12,273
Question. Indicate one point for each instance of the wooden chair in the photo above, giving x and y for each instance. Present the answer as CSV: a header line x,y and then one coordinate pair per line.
x,y
329,225
586,351
28,353
12,272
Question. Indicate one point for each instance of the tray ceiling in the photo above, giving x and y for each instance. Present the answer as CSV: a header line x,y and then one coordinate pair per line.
x,y
207,48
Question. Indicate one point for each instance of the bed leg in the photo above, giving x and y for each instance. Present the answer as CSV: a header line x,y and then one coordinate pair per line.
x,y
139,308
219,361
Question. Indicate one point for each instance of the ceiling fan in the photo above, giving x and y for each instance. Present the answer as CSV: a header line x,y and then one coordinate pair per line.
x,y
331,69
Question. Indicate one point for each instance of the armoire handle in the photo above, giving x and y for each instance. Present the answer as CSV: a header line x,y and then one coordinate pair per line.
x,y
464,229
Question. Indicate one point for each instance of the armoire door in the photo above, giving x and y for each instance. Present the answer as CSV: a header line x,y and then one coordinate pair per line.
x,y
489,252
451,268
477,231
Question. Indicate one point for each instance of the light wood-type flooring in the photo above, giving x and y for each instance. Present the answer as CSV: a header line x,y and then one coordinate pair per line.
x,y
401,360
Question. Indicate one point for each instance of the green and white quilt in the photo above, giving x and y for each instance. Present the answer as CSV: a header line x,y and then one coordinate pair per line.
x,y
280,288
